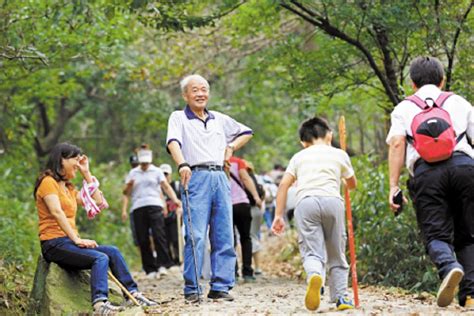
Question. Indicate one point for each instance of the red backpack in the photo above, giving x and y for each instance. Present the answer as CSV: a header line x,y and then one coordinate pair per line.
x,y
433,137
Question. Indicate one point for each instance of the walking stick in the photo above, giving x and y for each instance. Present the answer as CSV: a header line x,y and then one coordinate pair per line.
x,y
193,245
130,296
180,238
350,229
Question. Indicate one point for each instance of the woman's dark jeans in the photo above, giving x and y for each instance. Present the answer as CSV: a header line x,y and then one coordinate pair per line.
x,y
68,255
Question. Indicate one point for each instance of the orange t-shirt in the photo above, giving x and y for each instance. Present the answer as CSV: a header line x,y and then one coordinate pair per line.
x,y
48,226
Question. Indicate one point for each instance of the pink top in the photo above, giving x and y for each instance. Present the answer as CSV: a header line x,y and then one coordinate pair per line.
x,y
237,192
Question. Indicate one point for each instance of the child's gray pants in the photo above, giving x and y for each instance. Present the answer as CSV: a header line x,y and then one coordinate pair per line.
x,y
321,230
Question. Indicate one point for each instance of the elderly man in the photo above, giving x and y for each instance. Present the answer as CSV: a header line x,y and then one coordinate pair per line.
x,y
200,142
441,182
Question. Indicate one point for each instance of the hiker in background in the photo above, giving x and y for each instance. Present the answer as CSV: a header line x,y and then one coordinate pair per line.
x,y
257,219
441,182
200,142
57,200
133,160
270,194
291,204
171,224
240,181
145,184
320,216
277,173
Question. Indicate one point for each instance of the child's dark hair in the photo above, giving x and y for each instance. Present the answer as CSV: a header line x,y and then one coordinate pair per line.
x,y
426,70
313,128
54,165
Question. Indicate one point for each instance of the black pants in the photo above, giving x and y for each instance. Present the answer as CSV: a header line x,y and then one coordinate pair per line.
x,y
443,195
171,230
151,218
242,220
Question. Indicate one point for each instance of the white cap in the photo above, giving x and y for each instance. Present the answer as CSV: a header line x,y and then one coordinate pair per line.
x,y
144,156
166,168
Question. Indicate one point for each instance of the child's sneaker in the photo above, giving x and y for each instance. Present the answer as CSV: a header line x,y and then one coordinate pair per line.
x,y
343,303
313,292
469,305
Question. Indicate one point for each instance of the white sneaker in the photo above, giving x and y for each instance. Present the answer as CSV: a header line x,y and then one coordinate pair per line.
x,y
142,300
174,269
162,271
151,275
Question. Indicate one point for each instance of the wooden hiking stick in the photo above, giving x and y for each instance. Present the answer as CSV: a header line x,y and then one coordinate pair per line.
x,y
350,229
180,237
130,296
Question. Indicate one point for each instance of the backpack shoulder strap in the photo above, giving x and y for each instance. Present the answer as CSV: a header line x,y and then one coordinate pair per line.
x,y
443,97
236,180
418,101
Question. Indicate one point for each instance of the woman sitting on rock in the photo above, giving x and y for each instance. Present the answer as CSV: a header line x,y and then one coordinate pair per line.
x,y
57,200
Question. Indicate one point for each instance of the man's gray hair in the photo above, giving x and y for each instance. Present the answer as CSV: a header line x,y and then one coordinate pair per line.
x,y
185,81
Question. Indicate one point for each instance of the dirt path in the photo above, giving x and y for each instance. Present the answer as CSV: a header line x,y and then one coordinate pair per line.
x,y
277,295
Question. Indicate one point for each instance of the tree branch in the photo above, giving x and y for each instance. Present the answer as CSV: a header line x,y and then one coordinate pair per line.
x,y
44,118
383,43
331,30
449,70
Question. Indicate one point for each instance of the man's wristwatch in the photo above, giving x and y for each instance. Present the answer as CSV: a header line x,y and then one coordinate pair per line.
x,y
184,164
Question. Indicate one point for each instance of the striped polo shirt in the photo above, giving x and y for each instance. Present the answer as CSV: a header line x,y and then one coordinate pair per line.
x,y
203,142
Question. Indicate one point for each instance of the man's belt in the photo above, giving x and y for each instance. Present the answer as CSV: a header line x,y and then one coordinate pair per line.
x,y
207,167
458,158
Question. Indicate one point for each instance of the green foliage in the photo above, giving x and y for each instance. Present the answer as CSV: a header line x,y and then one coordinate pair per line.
x,y
19,244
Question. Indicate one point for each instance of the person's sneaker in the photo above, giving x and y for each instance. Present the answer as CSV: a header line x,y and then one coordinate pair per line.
x,y
313,292
152,276
174,269
257,272
448,287
469,305
343,303
162,271
142,300
107,308
191,298
249,279
220,296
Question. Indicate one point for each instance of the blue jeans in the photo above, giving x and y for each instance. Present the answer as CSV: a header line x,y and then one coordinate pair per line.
x,y
209,198
65,253
269,215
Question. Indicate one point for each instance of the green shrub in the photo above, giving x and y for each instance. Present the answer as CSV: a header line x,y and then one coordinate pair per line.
x,y
19,245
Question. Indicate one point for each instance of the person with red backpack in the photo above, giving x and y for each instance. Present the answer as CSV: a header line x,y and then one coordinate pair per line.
x,y
431,132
